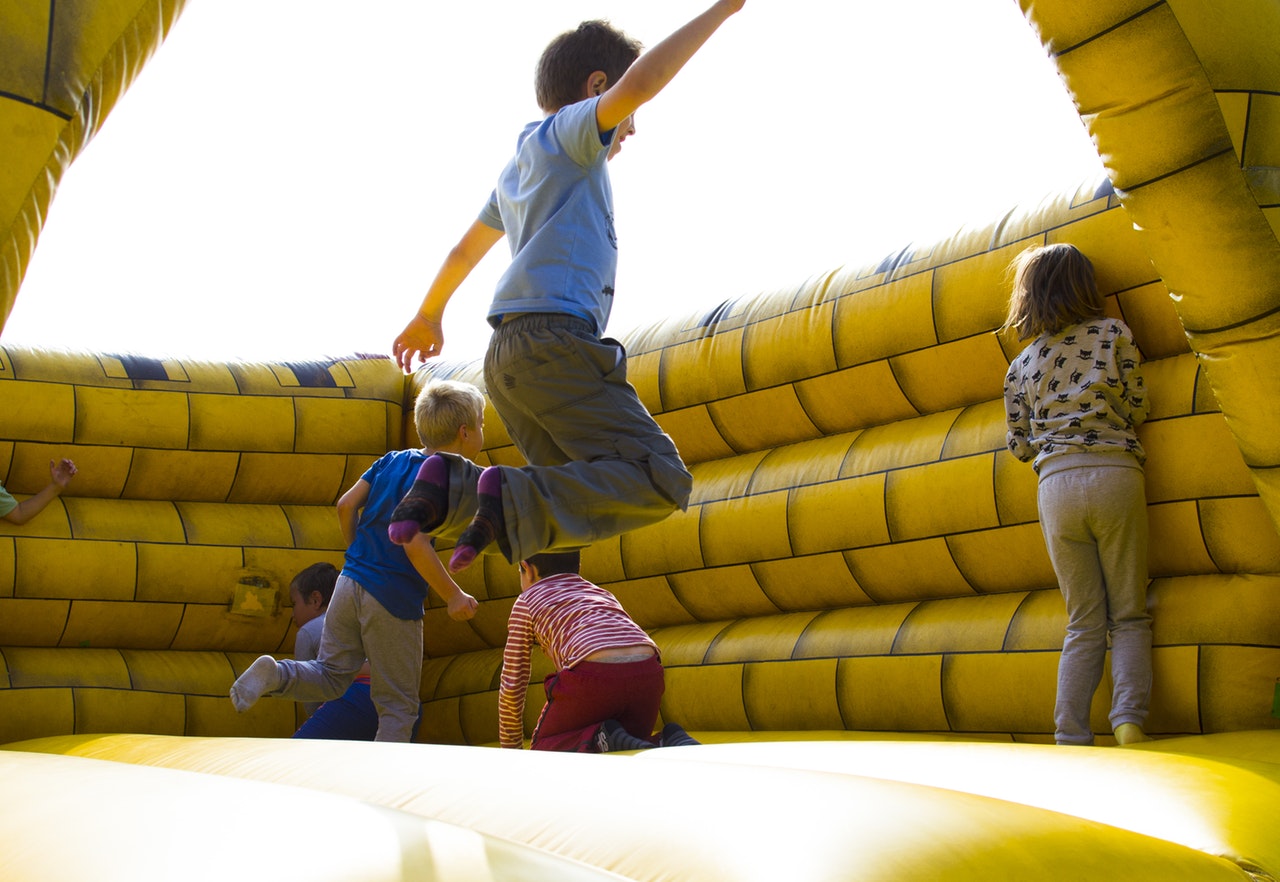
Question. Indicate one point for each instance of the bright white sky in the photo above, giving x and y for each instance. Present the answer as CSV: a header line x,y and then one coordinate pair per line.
x,y
285,177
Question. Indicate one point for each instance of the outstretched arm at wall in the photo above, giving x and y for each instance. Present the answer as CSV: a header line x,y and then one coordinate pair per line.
x,y
60,474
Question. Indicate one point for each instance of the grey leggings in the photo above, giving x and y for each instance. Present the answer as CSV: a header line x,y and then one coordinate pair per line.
x,y
1094,520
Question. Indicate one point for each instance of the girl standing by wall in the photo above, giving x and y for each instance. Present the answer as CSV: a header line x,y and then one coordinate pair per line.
x,y
1073,399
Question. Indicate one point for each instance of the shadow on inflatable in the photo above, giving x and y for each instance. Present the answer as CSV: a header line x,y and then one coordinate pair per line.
x,y
857,613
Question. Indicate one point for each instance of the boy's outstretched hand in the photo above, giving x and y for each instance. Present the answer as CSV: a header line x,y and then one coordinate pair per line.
x,y
421,339
61,472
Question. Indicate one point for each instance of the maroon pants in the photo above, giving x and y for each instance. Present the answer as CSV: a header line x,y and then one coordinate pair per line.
x,y
583,697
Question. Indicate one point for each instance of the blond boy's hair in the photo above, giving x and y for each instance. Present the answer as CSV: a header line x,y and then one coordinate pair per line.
x,y
1053,287
442,408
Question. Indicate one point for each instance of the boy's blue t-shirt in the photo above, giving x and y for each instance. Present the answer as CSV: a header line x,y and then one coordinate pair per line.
x,y
7,502
380,566
554,202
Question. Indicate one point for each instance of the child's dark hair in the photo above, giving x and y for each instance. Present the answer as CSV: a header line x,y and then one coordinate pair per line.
x,y
318,577
574,55
555,563
1053,288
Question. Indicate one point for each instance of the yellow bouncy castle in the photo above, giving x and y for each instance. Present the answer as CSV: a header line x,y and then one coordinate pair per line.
x,y
857,614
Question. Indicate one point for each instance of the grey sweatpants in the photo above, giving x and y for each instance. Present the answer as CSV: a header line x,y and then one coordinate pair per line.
x,y
1094,518
357,627
599,465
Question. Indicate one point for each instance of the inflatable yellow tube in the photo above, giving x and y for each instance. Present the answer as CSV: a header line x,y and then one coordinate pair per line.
x,y
66,64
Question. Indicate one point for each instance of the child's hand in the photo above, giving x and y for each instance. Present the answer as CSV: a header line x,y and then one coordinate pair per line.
x,y
463,607
421,338
61,473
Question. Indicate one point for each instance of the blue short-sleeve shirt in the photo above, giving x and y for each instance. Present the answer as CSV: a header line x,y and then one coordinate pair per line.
x,y
380,566
554,202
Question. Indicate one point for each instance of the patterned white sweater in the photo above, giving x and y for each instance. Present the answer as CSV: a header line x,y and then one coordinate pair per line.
x,y
1080,390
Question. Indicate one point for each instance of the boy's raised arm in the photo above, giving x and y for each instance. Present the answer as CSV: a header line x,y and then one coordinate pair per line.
x,y
423,337
659,65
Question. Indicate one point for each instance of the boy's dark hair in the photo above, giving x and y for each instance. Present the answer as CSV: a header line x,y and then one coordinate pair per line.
x,y
554,563
318,577
574,55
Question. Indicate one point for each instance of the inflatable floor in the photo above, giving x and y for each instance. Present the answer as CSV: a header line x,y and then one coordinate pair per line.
x,y
857,613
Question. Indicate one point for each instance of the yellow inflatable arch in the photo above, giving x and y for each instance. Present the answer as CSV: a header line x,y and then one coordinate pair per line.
x,y
857,613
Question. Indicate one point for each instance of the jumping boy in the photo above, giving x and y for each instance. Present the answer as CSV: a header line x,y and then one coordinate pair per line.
x,y
377,606
599,464
605,693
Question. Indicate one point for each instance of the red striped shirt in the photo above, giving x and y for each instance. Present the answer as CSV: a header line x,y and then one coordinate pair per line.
x,y
570,618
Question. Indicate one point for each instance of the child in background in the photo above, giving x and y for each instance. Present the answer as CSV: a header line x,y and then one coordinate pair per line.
x,y
377,606
310,591
1074,398
18,513
599,464
352,716
609,680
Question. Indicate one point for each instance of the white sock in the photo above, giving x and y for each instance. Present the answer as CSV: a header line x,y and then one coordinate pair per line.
x,y
263,676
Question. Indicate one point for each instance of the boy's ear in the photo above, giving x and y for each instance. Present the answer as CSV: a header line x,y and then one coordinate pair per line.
x,y
597,82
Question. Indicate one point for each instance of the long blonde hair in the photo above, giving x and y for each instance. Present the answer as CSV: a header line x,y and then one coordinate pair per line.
x,y
1053,287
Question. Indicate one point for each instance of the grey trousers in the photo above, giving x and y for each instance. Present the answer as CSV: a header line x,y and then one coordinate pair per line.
x,y
599,465
1094,519
357,627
